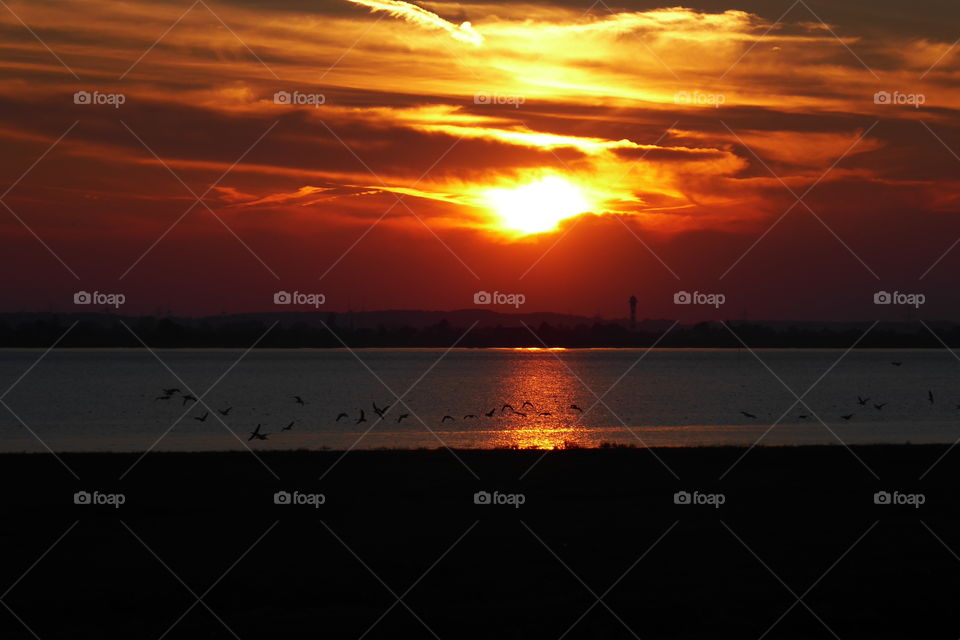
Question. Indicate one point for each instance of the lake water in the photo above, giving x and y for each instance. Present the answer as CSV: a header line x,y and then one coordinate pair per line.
x,y
104,400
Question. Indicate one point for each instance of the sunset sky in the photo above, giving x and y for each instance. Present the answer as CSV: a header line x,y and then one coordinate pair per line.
x,y
576,154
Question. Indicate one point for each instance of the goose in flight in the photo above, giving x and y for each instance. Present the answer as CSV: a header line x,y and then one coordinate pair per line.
x,y
402,416
896,364
527,403
203,418
544,413
930,396
748,415
224,412
490,413
288,427
862,401
362,418
469,415
847,417
170,392
377,410
298,400
445,418
256,434
342,415
879,407
505,407
576,408
187,398
162,398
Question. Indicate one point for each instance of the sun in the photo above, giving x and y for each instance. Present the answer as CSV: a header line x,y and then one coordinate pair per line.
x,y
538,206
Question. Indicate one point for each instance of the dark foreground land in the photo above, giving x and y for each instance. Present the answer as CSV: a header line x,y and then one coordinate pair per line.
x,y
599,549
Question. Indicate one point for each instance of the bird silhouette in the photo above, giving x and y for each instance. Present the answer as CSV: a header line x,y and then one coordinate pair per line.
x,y
544,413
803,416
896,364
298,400
402,416
576,408
749,415
378,410
520,413
187,398
170,392
362,418
342,415
445,418
202,418
490,413
862,401
469,415
930,396
527,403
847,417
162,398
256,434
880,406
505,407
224,412
288,427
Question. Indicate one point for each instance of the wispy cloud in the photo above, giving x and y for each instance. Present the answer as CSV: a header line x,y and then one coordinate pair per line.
x,y
420,16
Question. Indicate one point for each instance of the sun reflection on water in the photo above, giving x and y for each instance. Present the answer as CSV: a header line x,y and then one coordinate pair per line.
x,y
545,382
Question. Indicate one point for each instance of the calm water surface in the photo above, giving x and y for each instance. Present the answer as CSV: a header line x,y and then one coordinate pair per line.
x,y
105,399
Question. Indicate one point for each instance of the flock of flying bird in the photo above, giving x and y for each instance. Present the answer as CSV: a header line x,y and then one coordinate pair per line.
x,y
257,434
860,401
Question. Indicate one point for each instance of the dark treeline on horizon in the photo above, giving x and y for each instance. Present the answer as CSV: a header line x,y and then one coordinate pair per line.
x,y
237,333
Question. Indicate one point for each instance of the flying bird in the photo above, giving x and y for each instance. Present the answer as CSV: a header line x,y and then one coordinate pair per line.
x,y
224,412
445,418
362,418
378,410
161,398
170,392
803,416
256,434
402,416
527,403
202,418
544,413
342,415
576,408
930,396
847,417
298,400
469,415
749,415
896,364
288,427
505,407
879,407
490,413
187,398
862,401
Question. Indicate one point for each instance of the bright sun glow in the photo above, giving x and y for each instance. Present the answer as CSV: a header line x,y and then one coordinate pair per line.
x,y
538,206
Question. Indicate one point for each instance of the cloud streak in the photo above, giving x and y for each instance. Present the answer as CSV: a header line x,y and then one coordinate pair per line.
x,y
420,16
